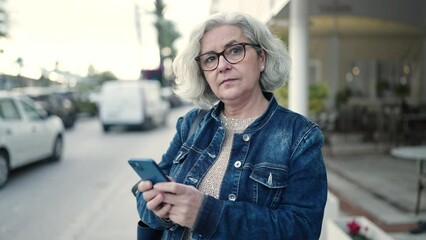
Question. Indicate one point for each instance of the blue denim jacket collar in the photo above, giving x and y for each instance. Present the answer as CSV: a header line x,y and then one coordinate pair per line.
x,y
218,108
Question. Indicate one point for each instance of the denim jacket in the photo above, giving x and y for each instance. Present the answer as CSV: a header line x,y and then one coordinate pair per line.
x,y
275,185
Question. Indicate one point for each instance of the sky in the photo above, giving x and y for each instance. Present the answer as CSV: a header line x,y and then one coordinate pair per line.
x,y
74,34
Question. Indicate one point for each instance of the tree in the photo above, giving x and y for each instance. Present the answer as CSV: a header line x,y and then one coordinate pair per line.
x,y
166,35
3,22
20,62
102,77
3,19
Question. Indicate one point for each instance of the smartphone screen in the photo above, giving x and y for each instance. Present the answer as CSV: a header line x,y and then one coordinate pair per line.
x,y
148,170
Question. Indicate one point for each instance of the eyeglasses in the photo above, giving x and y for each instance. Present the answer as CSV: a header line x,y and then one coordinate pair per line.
x,y
232,54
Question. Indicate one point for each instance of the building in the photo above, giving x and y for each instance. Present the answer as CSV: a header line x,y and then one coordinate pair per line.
x,y
370,53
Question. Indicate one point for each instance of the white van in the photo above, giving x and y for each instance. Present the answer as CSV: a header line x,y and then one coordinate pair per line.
x,y
132,104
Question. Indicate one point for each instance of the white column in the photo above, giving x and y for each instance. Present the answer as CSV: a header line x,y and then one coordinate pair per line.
x,y
299,52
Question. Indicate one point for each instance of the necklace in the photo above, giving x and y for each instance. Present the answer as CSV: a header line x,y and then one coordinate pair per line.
x,y
236,125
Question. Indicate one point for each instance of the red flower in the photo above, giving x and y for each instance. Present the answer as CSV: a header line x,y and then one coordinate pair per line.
x,y
356,231
353,227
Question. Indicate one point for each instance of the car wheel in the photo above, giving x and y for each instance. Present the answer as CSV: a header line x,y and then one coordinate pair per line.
x,y
105,127
148,124
57,149
4,170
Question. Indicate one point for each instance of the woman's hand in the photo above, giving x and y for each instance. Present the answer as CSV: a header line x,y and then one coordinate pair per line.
x,y
182,202
154,199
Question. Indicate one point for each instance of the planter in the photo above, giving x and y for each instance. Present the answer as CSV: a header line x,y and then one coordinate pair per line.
x,y
337,229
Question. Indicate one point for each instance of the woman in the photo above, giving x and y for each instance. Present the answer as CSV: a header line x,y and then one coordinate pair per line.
x,y
252,169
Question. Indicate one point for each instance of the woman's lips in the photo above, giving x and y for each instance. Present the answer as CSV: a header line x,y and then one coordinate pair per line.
x,y
227,80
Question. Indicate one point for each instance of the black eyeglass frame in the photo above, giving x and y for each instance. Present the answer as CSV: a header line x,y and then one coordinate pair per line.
x,y
197,59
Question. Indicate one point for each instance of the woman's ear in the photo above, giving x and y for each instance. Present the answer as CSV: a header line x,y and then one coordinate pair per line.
x,y
262,59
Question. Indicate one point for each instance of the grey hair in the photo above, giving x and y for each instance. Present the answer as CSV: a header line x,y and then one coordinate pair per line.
x,y
190,81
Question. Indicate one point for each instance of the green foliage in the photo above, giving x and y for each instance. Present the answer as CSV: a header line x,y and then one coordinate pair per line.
x,y
166,29
93,84
3,19
86,107
44,81
102,77
382,85
169,36
318,94
281,94
401,90
166,34
342,96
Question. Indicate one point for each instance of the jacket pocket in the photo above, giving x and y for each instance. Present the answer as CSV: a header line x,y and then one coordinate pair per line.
x,y
270,176
269,182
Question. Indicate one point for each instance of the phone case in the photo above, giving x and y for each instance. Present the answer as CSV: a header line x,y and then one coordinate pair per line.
x,y
147,169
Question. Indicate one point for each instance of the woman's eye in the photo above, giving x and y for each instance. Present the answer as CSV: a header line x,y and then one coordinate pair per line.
x,y
235,50
210,59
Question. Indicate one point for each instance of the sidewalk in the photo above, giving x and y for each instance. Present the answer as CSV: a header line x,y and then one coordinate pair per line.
x,y
370,182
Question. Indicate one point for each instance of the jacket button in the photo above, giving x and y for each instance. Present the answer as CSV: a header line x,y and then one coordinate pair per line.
x,y
194,180
237,164
246,137
232,197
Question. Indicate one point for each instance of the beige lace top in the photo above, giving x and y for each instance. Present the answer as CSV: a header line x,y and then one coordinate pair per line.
x,y
212,181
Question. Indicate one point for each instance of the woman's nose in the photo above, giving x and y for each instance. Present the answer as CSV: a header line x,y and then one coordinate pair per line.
x,y
223,64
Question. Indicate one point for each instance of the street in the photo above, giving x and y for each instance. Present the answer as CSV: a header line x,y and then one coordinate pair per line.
x,y
87,194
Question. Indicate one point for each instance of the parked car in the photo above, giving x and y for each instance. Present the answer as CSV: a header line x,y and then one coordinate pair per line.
x,y
57,102
27,133
132,104
174,100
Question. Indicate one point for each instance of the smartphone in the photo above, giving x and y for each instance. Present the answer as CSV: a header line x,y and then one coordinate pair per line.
x,y
148,170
